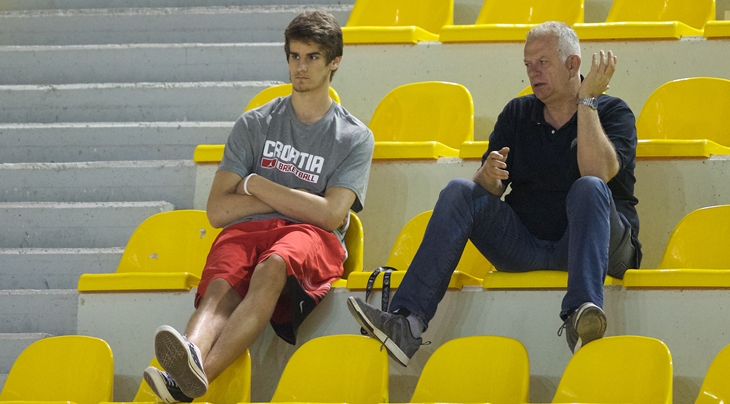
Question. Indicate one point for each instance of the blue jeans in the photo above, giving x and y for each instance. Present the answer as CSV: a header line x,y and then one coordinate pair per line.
x,y
466,211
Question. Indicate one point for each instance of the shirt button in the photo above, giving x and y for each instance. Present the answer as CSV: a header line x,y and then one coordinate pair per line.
x,y
553,131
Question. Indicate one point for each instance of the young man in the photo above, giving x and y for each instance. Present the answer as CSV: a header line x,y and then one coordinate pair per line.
x,y
568,153
291,172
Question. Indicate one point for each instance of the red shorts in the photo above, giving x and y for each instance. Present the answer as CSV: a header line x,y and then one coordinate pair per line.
x,y
313,259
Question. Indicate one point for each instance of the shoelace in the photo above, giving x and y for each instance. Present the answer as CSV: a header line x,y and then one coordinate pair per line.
x,y
563,327
170,382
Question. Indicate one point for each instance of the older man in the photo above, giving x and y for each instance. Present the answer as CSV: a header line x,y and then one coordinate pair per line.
x,y
568,153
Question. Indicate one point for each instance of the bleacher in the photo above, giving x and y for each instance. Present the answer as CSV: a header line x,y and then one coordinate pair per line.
x,y
103,106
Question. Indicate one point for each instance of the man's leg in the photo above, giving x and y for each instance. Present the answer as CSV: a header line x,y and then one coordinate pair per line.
x,y
595,229
221,329
247,320
464,210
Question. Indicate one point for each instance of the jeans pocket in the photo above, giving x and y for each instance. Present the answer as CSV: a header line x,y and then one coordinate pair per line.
x,y
622,257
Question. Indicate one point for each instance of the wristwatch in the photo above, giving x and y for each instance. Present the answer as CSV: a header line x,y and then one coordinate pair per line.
x,y
591,102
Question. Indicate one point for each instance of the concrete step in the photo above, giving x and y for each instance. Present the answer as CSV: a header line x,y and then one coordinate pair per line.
x,y
17,5
107,141
39,311
104,181
53,268
155,25
12,345
126,102
134,63
73,225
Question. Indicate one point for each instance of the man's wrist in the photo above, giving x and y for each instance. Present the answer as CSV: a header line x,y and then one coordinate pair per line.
x,y
245,183
591,102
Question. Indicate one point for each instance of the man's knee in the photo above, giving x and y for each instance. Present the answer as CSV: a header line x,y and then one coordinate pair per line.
x,y
589,188
456,191
272,268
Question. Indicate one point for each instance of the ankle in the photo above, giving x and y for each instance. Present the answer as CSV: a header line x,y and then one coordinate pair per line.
x,y
416,326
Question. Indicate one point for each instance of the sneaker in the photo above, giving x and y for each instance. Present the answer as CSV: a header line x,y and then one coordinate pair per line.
x,y
586,324
181,359
164,386
391,329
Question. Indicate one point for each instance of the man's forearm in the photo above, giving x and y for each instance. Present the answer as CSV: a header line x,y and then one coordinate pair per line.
x,y
325,212
596,154
228,208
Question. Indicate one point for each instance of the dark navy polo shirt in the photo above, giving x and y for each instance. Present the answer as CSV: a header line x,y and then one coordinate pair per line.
x,y
543,164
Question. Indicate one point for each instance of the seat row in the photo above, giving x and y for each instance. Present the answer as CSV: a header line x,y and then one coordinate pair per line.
x,y
429,120
167,253
354,369
404,21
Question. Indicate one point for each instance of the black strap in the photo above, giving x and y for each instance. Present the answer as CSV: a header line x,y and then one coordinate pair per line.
x,y
385,295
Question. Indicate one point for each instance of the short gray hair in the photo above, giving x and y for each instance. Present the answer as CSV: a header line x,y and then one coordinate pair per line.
x,y
568,43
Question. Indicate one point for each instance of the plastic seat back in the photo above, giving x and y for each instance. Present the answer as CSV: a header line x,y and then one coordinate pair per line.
x,y
279,90
716,388
622,369
425,111
700,240
355,241
475,369
72,368
694,13
430,15
336,369
176,241
692,108
531,11
406,244
231,387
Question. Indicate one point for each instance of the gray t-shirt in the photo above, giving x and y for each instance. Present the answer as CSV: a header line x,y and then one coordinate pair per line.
x,y
272,142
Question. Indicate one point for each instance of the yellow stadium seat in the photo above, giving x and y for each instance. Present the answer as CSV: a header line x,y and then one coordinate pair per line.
x,y
476,369
511,20
651,19
473,149
397,21
622,369
715,388
75,369
166,252
424,120
469,271
696,255
355,241
476,149
279,90
678,121
717,29
231,387
335,369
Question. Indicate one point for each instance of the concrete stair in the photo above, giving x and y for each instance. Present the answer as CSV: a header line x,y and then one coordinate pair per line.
x,y
135,63
223,24
107,141
127,102
103,103
104,181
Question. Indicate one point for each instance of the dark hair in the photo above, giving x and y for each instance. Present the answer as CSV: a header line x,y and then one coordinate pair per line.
x,y
318,27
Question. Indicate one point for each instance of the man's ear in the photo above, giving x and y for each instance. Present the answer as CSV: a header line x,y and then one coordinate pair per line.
x,y
572,63
335,63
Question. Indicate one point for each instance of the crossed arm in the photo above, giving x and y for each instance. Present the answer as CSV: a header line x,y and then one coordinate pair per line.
x,y
228,202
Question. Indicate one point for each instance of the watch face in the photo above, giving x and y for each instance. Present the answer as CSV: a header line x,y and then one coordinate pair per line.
x,y
591,102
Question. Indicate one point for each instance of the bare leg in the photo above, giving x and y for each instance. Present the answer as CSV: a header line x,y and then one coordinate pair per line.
x,y
244,323
206,324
